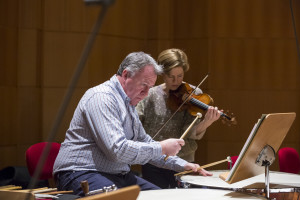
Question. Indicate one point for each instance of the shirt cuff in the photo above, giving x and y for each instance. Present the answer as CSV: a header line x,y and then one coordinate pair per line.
x,y
180,163
157,150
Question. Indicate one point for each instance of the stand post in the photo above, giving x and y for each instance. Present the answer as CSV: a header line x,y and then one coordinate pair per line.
x,y
63,107
267,179
266,158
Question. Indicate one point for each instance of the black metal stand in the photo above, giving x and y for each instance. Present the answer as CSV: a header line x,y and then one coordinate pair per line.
x,y
68,95
266,158
267,179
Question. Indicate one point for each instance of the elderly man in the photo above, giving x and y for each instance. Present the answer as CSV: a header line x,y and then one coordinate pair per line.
x,y
106,137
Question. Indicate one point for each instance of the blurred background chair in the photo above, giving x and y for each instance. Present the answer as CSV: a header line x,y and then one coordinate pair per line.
x,y
233,159
33,154
289,160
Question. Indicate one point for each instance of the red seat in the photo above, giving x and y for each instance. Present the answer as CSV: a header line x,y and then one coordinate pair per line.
x,y
233,159
33,155
289,160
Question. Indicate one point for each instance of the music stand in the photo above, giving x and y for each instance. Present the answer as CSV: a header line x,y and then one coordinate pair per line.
x,y
260,148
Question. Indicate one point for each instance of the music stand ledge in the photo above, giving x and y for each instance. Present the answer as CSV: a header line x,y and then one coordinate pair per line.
x,y
271,130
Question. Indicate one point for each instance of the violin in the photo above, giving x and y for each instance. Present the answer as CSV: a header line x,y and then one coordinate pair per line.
x,y
194,103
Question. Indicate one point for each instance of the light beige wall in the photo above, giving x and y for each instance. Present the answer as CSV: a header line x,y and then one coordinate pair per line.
x,y
247,47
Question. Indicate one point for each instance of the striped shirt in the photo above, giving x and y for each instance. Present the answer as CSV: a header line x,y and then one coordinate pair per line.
x,y
106,135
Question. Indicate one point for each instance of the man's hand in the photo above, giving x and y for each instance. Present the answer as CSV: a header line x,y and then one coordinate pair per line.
x,y
196,168
171,147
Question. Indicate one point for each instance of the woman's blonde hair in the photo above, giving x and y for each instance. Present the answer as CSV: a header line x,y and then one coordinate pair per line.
x,y
172,58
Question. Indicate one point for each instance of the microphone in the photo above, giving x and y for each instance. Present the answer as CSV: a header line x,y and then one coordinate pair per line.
x,y
98,2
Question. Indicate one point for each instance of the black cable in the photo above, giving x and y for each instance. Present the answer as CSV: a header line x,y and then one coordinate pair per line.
x,y
295,32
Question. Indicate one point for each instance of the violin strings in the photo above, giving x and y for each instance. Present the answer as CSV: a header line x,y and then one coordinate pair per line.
x,y
205,107
180,106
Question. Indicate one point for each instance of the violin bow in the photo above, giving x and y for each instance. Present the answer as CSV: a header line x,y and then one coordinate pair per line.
x,y
186,99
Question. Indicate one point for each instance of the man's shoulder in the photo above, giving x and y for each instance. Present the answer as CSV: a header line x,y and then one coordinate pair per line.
x,y
106,87
103,91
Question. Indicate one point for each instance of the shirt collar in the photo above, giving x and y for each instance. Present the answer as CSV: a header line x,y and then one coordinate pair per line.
x,y
120,89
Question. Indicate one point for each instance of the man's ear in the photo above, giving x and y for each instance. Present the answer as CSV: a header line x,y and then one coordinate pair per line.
x,y
125,74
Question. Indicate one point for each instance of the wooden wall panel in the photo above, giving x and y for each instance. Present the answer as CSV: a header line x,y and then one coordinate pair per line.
x,y
254,69
9,13
156,46
9,155
255,18
20,100
8,61
63,51
127,19
51,101
74,16
30,14
28,58
20,155
8,120
160,20
190,19
248,107
196,50
28,120
53,15
107,55
254,64
61,55
8,81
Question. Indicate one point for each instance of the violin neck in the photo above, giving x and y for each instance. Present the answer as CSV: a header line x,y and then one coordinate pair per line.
x,y
199,104
204,106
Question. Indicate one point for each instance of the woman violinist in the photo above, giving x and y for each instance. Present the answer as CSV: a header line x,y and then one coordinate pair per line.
x,y
154,111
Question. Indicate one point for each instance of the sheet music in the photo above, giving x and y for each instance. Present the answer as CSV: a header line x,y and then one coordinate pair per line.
x,y
246,145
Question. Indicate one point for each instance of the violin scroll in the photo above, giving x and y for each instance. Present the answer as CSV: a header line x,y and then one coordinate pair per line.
x,y
229,120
